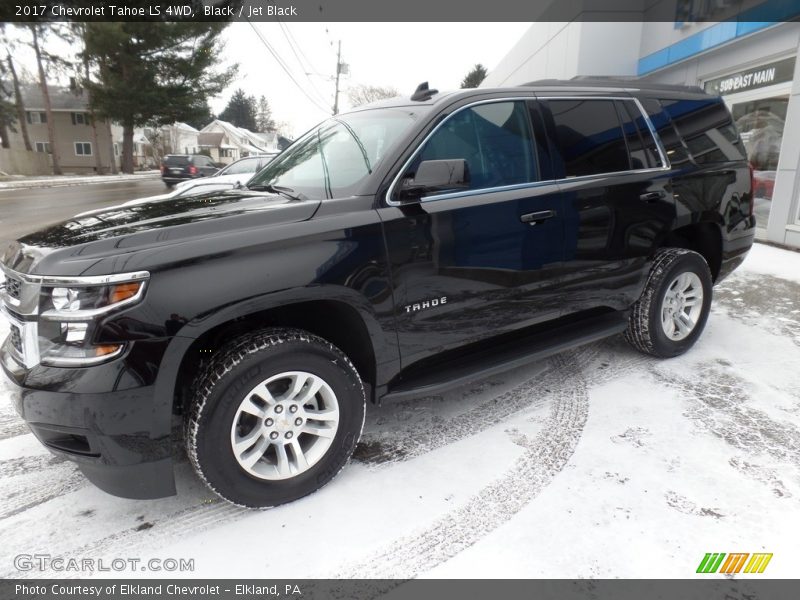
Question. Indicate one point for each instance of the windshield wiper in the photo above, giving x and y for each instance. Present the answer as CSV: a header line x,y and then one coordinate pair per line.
x,y
277,189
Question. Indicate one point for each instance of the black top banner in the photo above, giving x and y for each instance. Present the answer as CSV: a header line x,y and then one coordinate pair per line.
x,y
677,11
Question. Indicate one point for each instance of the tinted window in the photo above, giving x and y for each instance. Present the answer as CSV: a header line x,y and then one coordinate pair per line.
x,y
707,129
494,139
588,136
676,152
641,144
176,161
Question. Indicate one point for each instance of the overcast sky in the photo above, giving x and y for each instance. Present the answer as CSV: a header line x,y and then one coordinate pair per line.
x,y
400,55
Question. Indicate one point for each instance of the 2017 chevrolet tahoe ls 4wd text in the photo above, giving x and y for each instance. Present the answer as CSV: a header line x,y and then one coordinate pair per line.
x,y
389,252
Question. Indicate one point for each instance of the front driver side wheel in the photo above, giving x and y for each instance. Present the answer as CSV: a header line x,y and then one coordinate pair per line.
x,y
673,309
276,416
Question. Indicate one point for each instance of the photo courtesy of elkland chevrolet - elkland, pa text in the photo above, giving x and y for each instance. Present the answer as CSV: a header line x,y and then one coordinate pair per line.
x,y
354,300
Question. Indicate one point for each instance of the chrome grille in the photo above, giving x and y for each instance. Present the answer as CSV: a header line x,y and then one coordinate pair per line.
x,y
13,287
16,338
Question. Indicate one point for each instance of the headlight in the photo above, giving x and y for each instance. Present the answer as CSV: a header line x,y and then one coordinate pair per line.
x,y
68,314
78,303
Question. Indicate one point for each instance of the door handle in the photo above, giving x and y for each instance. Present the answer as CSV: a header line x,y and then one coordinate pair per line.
x,y
652,196
535,218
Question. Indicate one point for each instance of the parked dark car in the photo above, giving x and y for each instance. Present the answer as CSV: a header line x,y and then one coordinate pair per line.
x,y
389,253
181,167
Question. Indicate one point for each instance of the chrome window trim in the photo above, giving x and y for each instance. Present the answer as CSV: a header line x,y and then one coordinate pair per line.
x,y
460,194
478,192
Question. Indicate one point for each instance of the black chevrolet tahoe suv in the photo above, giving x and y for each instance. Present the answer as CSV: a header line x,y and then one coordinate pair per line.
x,y
390,252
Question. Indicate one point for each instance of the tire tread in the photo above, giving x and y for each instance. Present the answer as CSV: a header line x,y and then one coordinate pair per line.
x,y
229,357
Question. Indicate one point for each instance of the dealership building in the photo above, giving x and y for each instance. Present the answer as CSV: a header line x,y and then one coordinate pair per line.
x,y
750,59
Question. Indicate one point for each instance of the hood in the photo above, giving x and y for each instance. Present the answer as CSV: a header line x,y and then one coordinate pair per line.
x,y
128,228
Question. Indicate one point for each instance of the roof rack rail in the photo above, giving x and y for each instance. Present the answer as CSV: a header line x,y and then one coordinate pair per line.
x,y
616,81
423,93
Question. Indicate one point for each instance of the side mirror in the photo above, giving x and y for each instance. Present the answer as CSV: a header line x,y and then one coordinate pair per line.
x,y
435,176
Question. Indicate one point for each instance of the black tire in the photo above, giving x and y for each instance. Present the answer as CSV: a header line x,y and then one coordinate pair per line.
x,y
169,185
237,368
645,331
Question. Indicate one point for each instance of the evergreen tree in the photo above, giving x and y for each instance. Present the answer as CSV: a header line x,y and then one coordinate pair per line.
x,y
241,110
201,119
264,120
158,72
474,77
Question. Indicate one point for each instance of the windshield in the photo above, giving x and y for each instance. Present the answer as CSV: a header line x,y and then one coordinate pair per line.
x,y
246,165
331,160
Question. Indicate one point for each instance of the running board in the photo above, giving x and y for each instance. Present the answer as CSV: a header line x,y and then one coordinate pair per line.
x,y
504,357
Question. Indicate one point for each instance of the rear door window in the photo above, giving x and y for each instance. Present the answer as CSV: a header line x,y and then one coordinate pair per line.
x,y
677,153
642,145
588,136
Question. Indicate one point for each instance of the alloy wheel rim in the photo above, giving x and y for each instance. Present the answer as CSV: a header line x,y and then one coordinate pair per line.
x,y
682,306
285,425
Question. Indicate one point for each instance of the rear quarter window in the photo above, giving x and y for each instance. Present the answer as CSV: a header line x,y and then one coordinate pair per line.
x,y
707,129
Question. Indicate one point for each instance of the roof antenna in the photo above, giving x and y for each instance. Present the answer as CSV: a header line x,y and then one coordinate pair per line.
x,y
423,93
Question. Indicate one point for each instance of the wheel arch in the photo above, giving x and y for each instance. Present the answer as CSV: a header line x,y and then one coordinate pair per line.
x,y
336,314
704,237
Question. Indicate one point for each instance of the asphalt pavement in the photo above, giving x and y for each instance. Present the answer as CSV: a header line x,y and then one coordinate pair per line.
x,y
26,210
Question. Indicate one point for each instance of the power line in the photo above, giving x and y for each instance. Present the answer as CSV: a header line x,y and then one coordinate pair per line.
x,y
292,43
285,68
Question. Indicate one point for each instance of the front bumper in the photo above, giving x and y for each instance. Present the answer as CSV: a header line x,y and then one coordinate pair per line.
x,y
102,418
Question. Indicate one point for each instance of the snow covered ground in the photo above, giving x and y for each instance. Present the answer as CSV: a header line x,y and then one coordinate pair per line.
x,y
599,462
23,182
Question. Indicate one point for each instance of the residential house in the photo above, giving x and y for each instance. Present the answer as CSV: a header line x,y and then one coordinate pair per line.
x,y
75,144
150,144
226,143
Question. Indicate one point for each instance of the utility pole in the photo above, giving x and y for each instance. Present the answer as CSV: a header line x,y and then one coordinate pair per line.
x,y
338,72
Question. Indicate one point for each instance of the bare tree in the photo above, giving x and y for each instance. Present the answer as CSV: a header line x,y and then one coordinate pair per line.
x,y
21,119
36,33
80,32
364,94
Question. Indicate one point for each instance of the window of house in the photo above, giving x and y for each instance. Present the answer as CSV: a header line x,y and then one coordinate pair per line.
x,y
83,148
588,136
79,118
35,117
43,147
495,141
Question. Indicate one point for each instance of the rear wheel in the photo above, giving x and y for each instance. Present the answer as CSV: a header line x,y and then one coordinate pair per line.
x,y
277,415
673,309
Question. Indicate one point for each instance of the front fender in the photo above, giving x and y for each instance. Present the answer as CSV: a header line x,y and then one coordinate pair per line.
x,y
385,351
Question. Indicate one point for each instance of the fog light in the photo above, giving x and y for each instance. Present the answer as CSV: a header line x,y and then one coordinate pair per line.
x,y
74,332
